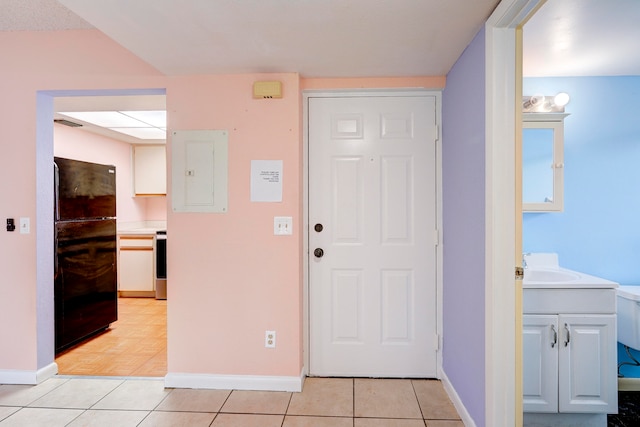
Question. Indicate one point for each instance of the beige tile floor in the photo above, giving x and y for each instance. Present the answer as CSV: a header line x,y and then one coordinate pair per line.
x,y
331,402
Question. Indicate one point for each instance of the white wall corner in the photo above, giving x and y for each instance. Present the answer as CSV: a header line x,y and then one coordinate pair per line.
x,y
10,376
455,399
235,382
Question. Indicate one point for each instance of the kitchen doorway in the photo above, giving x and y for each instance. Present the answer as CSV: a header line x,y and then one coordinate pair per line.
x,y
135,344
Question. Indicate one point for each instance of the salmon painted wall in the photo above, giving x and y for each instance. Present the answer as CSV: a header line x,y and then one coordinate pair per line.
x,y
230,278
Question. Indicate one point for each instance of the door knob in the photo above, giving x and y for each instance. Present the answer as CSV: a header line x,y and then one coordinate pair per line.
x,y
318,252
318,227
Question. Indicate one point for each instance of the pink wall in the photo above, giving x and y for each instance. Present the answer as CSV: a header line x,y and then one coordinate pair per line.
x,y
224,292
230,278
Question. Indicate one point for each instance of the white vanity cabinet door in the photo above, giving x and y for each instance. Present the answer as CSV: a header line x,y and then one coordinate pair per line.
x,y
540,363
588,364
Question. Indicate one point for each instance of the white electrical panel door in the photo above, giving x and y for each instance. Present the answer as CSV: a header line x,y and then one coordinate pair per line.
x,y
199,171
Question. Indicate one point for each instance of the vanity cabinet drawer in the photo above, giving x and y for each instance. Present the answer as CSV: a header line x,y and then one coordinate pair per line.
x,y
569,301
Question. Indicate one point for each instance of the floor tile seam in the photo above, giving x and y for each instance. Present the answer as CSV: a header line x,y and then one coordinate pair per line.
x,y
287,408
186,411
353,397
107,394
381,417
319,416
415,393
443,419
37,398
250,413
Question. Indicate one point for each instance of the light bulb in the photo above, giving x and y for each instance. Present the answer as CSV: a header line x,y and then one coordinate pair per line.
x,y
561,99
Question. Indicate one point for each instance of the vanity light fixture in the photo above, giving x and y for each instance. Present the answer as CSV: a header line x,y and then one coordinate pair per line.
x,y
545,104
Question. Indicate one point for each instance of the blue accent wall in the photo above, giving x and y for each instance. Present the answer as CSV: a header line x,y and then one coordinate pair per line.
x,y
599,231
463,170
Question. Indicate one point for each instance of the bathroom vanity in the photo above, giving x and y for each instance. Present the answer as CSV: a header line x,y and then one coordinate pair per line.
x,y
569,348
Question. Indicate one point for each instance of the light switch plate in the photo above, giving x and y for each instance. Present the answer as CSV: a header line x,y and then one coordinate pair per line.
x,y
282,225
25,225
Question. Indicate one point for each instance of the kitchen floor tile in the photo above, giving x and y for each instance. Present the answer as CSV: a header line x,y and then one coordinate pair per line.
x,y
134,345
135,395
257,402
376,398
175,419
41,417
324,397
104,418
79,393
191,400
247,420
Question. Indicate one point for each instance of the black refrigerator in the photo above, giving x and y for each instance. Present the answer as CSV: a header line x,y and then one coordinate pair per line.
x,y
85,293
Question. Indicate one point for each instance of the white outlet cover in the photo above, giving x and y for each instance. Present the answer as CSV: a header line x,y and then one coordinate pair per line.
x,y
282,225
270,339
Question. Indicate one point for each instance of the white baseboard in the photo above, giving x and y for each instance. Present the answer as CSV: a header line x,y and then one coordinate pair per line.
x,y
28,377
235,382
462,411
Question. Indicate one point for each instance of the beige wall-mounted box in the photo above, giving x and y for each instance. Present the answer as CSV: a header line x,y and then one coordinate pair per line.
x,y
267,90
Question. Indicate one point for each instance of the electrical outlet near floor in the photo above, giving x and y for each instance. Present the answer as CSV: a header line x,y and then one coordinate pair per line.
x,y
270,339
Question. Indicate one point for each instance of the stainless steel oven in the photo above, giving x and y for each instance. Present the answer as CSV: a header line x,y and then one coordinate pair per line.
x,y
161,265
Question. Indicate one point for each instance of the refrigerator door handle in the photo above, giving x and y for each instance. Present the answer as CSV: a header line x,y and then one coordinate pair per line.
x,y
55,250
56,194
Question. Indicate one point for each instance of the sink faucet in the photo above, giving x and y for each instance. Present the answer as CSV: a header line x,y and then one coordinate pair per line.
x,y
524,259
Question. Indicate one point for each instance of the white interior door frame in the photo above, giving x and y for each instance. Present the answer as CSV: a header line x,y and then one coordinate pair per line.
x,y
305,152
502,374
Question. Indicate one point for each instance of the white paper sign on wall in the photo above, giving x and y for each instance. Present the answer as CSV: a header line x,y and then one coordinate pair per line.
x,y
266,180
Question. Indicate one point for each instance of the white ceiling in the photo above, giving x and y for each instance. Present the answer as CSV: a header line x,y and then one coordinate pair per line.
x,y
316,38
583,38
339,38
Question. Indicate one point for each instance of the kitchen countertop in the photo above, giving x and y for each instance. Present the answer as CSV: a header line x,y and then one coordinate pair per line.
x,y
141,228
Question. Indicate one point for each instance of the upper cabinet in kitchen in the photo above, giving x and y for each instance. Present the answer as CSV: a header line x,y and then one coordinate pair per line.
x,y
149,170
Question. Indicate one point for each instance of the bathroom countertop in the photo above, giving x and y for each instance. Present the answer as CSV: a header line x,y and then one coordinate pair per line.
x,y
562,278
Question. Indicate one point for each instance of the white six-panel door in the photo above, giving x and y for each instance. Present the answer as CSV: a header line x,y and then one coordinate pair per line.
x,y
372,236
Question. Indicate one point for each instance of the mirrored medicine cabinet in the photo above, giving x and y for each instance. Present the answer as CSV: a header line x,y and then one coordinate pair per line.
x,y
543,162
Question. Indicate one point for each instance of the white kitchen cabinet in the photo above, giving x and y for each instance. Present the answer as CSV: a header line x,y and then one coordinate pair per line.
x,y
569,363
149,170
136,265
